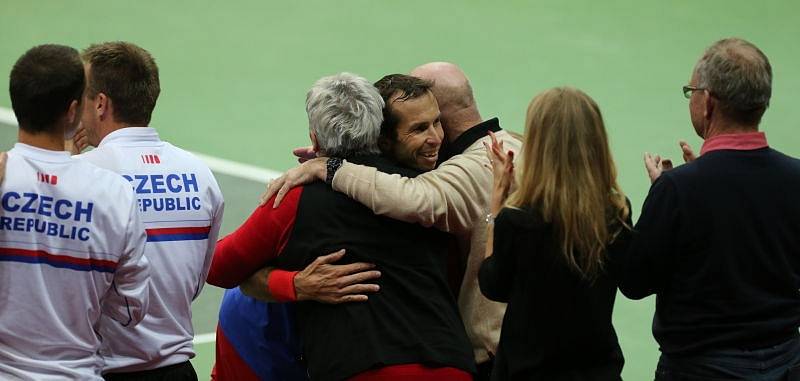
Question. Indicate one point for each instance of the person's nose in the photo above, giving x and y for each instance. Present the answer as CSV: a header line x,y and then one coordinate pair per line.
x,y
433,137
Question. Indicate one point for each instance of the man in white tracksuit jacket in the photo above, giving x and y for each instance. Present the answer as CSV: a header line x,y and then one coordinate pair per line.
x,y
178,199
71,241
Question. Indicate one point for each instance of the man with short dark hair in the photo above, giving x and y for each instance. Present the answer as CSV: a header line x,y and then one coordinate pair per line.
x,y
411,131
718,238
453,198
411,328
71,242
178,198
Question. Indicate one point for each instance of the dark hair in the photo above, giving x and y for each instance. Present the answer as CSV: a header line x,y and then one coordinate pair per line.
x,y
128,75
43,84
409,88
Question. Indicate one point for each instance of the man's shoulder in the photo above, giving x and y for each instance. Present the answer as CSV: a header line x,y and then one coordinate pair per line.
x,y
183,154
94,172
790,161
684,170
509,143
384,164
477,151
107,155
86,170
189,159
317,200
94,155
99,183
508,137
712,161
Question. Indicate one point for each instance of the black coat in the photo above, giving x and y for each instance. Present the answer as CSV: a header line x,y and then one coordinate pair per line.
x,y
558,324
412,319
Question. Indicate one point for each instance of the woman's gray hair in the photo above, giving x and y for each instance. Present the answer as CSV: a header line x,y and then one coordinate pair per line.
x,y
738,74
345,112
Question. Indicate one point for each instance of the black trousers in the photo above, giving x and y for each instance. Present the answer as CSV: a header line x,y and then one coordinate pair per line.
x,y
776,363
178,372
485,370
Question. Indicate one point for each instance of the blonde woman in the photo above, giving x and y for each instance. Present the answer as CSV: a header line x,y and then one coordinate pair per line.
x,y
547,256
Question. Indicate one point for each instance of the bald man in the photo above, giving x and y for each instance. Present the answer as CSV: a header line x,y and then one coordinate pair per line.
x,y
463,128
454,95
454,197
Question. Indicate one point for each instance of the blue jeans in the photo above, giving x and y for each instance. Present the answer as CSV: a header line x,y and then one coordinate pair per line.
x,y
777,363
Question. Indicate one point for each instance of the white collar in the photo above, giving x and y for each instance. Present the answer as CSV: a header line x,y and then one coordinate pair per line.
x,y
131,135
40,154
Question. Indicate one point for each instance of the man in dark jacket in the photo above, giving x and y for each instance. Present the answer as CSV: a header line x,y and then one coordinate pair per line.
x,y
718,239
411,328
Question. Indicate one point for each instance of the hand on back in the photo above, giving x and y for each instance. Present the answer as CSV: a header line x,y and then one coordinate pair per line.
x,y
312,168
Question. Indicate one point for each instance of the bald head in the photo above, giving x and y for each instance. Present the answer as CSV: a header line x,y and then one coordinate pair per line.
x,y
450,85
454,95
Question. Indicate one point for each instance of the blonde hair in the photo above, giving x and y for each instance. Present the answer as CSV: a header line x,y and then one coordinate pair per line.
x,y
568,175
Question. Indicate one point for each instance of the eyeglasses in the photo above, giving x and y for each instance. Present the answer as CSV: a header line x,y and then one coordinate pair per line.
x,y
688,90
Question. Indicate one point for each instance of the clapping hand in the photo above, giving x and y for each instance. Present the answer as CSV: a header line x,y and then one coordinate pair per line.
x,y
688,154
656,165
501,163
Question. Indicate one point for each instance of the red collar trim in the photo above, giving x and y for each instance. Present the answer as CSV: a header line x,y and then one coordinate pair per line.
x,y
741,142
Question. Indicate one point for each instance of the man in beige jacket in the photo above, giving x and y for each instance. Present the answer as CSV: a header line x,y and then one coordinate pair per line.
x,y
454,197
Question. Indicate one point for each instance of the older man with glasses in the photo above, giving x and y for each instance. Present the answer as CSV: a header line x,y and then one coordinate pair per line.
x,y
718,239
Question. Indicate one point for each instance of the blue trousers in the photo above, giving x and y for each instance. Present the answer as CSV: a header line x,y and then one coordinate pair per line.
x,y
777,363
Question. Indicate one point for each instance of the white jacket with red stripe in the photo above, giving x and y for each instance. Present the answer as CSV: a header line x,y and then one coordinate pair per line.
x,y
71,255
181,207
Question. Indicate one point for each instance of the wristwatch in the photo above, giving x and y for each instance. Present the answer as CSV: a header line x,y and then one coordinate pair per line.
x,y
489,219
331,167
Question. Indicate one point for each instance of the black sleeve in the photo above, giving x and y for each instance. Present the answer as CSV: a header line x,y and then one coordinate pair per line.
x,y
647,263
617,249
496,274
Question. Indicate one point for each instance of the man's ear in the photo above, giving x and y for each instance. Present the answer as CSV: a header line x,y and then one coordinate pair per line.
x,y
73,113
102,106
709,104
314,143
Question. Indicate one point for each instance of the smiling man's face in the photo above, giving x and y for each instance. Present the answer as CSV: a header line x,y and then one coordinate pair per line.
x,y
419,132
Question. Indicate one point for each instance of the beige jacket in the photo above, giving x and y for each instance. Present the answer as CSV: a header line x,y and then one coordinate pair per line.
x,y
453,198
